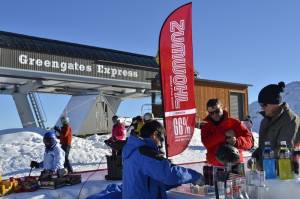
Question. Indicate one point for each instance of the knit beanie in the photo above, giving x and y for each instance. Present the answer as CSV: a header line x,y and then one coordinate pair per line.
x,y
271,94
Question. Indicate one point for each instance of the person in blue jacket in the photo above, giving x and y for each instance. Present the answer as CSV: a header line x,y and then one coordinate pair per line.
x,y
54,156
147,174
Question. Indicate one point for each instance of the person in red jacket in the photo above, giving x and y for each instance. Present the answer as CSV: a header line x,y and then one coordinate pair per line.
x,y
221,129
118,130
65,137
118,136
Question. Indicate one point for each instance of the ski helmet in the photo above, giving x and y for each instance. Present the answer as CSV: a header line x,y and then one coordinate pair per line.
x,y
49,135
148,117
115,117
49,139
65,120
228,154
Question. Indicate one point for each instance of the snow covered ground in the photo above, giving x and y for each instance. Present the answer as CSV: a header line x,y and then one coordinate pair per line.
x,y
18,147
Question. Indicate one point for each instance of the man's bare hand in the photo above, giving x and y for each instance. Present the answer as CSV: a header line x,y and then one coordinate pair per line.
x,y
231,140
230,133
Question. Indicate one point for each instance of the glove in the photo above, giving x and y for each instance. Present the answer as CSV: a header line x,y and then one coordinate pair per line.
x,y
46,175
251,163
34,164
56,128
200,181
62,172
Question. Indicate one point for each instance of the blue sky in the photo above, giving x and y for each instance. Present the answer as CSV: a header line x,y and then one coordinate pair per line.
x,y
255,42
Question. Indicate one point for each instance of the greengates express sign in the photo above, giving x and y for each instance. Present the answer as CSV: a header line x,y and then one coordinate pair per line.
x,y
38,62
74,66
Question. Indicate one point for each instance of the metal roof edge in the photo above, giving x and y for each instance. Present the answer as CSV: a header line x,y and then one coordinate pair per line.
x,y
222,82
73,44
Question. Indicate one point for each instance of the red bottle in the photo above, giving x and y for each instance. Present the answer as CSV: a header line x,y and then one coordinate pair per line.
x,y
296,159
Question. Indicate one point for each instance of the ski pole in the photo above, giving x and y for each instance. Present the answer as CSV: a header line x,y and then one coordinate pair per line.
x,y
30,171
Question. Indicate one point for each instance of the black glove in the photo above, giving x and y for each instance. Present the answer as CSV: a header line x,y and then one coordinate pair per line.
x,y
62,172
56,128
34,164
251,163
46,175
108,142
200,181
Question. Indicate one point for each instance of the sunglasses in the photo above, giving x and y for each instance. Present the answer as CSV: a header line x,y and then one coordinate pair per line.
x,y
160,135
217,111
263,105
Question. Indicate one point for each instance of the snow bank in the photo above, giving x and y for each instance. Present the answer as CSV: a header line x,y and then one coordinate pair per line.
x,y
18,149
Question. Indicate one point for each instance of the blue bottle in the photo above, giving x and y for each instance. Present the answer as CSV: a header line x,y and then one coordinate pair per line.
x,y
269,162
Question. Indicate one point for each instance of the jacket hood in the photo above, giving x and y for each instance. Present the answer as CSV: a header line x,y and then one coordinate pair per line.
x,y
135,142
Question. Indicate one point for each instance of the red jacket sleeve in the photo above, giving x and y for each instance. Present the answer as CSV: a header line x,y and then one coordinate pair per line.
x,y
244,138
210,138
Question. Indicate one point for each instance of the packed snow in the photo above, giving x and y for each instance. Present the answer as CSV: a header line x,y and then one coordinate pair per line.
x,y
18,148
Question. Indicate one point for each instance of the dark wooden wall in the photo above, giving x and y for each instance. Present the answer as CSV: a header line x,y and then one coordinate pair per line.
x,y
205,90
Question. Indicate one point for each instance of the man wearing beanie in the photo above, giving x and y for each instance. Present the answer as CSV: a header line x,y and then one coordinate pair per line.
x,y
280,123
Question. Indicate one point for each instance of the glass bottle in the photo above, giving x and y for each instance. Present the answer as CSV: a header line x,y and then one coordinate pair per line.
x,y
229,190
244,187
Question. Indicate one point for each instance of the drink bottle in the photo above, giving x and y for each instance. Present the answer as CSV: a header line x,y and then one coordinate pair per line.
x,y
244,188
296,160
284,162
269,162
229,190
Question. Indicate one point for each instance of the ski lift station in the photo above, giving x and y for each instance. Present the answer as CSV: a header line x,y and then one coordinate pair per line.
x,y
97,79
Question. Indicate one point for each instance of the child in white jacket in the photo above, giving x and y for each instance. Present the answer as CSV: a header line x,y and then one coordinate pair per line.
x,y
54,156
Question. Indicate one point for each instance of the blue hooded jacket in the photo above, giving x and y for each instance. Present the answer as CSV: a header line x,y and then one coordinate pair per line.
x,y
112,191
54,158
146,174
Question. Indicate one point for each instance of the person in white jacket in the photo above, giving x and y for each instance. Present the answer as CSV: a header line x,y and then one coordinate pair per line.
x,y
54,156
